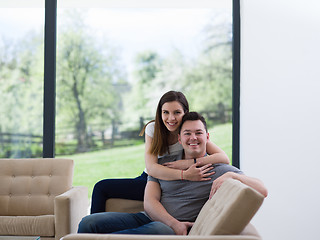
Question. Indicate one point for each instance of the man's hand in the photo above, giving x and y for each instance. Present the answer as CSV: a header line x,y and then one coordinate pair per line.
x,y
218,182
181,228
179,164
196,173
250,181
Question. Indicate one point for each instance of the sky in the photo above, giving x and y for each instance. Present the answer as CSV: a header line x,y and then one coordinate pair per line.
x,y
152,29
15,22
131,29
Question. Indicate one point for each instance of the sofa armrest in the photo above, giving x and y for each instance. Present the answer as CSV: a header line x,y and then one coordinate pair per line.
x,y
154,237
250,230
69,208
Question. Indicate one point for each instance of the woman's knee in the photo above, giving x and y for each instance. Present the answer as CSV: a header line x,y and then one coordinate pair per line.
x,y
86,225
102,184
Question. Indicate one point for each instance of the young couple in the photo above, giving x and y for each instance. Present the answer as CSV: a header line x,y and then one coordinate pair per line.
x,y
179,157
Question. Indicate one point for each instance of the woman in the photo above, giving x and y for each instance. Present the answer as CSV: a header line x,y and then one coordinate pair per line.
x,y
161,139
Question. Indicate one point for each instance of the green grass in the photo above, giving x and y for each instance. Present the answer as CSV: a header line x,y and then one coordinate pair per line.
x,y
222,136
112,163
128,162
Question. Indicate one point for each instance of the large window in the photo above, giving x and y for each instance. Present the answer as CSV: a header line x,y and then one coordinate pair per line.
x,y
114,64
111,66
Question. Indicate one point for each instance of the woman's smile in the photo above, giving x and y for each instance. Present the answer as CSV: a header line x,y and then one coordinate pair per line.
x,y
172,113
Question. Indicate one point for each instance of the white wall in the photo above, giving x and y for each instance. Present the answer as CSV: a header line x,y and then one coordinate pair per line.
x,y
280,113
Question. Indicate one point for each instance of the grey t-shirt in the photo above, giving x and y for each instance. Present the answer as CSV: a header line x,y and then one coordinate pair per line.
x,y
184,199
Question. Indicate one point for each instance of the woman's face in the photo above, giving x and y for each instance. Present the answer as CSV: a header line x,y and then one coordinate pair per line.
x,y
172,113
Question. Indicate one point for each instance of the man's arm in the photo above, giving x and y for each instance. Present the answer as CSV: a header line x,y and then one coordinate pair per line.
x,y
250,181
157,212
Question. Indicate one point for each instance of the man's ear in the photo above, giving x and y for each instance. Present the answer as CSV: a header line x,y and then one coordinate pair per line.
x,y
179,138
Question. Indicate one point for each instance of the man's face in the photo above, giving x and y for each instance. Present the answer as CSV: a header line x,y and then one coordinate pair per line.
x,y
193,138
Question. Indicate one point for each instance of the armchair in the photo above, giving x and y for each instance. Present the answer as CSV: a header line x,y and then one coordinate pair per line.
x,y
37,198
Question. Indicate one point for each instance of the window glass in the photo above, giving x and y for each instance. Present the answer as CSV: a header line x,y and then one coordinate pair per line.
x,y
21,82
114,64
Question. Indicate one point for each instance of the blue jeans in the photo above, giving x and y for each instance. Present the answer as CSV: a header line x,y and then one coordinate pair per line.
x,y
122,223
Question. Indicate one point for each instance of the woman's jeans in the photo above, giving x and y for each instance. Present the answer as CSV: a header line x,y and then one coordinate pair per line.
x,y
122,223
127,188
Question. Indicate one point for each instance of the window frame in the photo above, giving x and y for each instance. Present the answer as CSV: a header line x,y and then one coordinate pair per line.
x,y
236,83
49,98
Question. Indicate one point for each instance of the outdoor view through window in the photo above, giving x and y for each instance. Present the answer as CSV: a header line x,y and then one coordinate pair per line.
x,y
113,65
21,82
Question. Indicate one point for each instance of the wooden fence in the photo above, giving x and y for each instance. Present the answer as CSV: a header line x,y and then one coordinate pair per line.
x,y
100,137
20,145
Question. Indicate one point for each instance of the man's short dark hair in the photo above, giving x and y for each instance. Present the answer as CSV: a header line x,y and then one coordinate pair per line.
x,y
193,116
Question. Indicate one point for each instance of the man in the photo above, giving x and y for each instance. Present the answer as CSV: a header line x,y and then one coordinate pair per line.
x,y
171,207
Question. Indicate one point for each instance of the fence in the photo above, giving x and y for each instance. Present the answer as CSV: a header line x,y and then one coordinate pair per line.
x,y
99,137
20,145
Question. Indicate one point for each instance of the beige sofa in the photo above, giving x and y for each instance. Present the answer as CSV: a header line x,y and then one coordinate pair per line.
x,y
225,217
37,198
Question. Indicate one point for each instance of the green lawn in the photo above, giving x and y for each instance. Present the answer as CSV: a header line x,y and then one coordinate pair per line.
x,y
125,162
222,136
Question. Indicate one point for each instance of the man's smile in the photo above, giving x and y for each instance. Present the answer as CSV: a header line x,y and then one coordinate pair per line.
x,y
193,144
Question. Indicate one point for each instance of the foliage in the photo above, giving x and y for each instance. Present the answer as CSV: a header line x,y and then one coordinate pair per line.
x,y
21,150
211,74
205,79
21,84
85,79
92,87
147,65
21,90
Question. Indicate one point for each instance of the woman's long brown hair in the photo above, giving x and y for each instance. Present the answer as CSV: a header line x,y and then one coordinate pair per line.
x,y
160,141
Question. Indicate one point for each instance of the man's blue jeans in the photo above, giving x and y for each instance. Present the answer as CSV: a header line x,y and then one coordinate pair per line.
x,y
122,223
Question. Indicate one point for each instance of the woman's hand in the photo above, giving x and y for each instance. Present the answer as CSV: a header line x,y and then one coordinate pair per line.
x,y
195,173
179,164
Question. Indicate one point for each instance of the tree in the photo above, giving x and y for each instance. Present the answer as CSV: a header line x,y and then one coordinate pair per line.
x,y
86,74
21,84
206,79
147,67
21,90
208,83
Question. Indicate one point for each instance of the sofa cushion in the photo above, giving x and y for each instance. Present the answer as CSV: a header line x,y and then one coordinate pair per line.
x,y
228,211
123,205
27,225
28,186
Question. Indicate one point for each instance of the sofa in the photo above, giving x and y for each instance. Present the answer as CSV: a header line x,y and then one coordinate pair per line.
x,y
226,216
37,198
